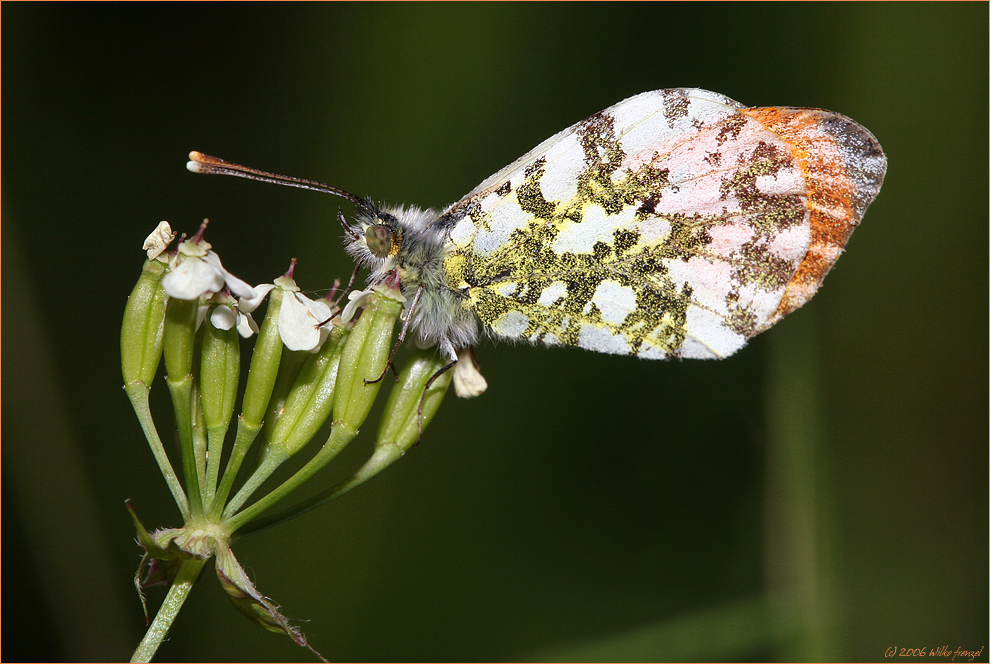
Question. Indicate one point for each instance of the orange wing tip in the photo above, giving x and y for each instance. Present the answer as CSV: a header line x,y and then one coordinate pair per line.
x,y
843,167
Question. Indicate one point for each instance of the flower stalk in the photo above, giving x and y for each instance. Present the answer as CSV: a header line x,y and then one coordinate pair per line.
x,y
260,383
310,365
362,359
411,405
141,344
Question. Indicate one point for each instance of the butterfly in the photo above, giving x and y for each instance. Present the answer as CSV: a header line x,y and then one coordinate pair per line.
x,y
677,223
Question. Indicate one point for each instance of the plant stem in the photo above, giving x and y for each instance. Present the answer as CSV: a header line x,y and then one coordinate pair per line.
x,y
798,534
184,581
722,633
273,458
246,433
138,395
340,436
382,458
181,391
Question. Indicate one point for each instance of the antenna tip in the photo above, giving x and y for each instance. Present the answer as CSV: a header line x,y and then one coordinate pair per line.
x,y
203,163
195,163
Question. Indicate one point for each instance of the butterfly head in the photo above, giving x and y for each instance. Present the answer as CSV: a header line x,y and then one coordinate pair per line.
x,y
374,238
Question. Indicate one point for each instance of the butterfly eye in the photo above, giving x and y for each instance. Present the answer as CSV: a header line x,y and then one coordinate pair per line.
x,y
379,239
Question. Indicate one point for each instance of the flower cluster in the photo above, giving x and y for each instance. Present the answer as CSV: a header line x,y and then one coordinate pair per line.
x,y
311,363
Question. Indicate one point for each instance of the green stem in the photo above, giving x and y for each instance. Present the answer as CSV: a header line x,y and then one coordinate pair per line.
x,y
184,581
799,567
340,436
200,445
138,395
214,450
379,461
273,458
181,391
246,433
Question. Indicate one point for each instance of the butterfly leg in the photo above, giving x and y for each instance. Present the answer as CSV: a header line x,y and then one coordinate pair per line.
x,y
347,288
422,399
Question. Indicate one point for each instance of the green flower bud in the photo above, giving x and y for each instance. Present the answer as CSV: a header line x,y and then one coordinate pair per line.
x,y
308,403
402,421
289,368
264,364
220,368
179,337
143,326
365,358
179,345
400,427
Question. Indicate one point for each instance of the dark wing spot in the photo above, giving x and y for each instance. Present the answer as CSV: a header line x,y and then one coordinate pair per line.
x,y
535,166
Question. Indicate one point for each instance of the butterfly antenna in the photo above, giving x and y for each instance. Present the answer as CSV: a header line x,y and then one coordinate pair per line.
x,y
204,163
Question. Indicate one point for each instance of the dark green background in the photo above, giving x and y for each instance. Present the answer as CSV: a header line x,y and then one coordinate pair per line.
x,y
586,507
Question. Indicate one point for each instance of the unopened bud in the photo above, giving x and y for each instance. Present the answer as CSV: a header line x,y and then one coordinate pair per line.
x,y
264,364
143,326
414,400
179,337
220,370
308,402
365,359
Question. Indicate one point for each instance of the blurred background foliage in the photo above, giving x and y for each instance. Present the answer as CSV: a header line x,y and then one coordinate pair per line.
x,y
821,495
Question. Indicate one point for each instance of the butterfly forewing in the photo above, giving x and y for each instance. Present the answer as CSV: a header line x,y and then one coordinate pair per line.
x,y
676,223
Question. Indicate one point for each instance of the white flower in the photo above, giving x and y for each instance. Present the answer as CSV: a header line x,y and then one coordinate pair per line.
x,y
299,318
199,271
355,300
358,298
299,322
249,304
225,313
225,316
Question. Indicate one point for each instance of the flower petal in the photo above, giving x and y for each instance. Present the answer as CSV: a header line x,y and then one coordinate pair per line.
x,y
222,317
246,325
355,300
238,287
320,310
297,325
201,313
191,279
249,304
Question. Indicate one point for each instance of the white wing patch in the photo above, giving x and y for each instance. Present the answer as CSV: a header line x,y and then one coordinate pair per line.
x,y
511,324
601,340
595,225
552,293
504,219
614,301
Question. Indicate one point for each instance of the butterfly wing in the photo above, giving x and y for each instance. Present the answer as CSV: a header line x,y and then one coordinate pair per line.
x,y
676,223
